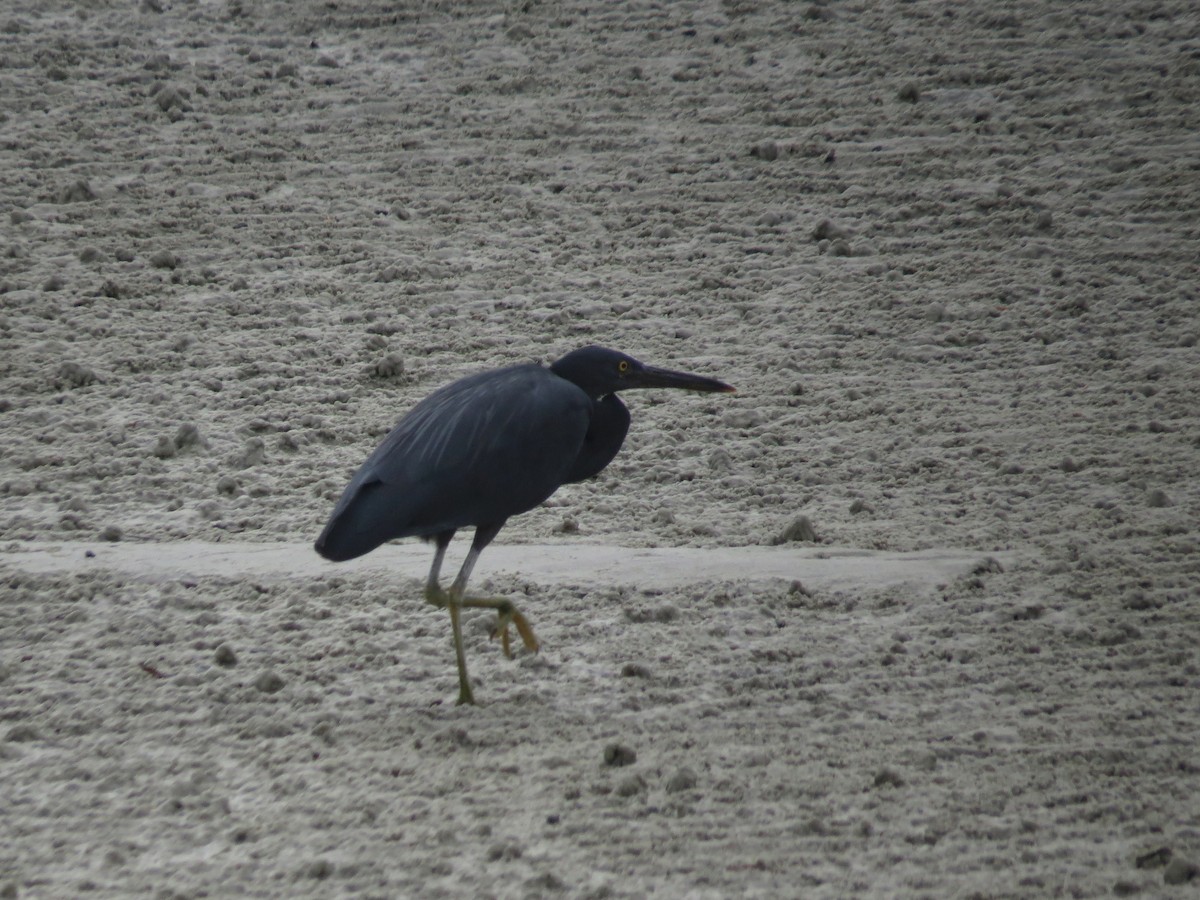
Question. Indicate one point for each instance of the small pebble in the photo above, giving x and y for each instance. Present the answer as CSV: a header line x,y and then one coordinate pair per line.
x,y
800,529
172,98
1180,871
254,453
766,150
74,375
665,612
22,733
269,683
617,755
827,230
1155,859
164,259
683,780
188,435
504,852
720,461
888,778
158,62
164,448
224,656
547,882
1158,499
390,366
989,565
77,192
111,533
319,869
631,786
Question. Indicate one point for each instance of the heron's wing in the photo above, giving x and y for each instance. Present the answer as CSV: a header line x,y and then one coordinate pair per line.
x,y
475,452
519,420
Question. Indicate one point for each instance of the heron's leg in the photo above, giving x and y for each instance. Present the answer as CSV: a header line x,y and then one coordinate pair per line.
x,y
454,598
433,590
435,594
506,613
465,696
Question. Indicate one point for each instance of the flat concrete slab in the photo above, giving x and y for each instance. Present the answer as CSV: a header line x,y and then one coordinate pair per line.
x,y
828,568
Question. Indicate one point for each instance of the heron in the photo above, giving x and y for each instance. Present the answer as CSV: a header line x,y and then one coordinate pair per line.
x,y
481,450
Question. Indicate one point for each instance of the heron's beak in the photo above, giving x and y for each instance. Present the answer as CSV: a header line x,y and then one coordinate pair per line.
x,y
650,377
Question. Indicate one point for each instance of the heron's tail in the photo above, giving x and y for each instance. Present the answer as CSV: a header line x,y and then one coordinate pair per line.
x,y
364,518
334,546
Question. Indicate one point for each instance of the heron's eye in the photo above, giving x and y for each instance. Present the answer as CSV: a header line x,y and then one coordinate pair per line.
x,y
623,367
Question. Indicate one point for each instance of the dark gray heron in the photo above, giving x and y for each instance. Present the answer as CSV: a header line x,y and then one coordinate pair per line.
x,y
485,448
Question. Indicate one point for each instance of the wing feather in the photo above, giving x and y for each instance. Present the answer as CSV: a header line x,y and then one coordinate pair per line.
x,y
475,452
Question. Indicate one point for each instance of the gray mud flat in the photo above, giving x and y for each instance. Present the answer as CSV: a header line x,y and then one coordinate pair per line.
x,y
236,719
946,252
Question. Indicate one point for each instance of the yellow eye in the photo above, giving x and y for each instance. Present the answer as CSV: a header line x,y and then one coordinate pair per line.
x,y
623,367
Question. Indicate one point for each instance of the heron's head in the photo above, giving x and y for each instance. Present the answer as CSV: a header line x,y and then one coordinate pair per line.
x,y
600,371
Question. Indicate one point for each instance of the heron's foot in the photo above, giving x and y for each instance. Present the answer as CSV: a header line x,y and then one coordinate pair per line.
x,y
524,629
506,614
465,696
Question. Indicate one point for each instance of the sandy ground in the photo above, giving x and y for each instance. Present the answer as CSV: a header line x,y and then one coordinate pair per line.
x,y
947,252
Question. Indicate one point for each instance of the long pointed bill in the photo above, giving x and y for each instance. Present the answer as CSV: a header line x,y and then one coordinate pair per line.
x,y
651,377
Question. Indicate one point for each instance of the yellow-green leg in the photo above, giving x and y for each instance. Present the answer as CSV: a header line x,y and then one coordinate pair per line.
x,y
454,601
465,696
